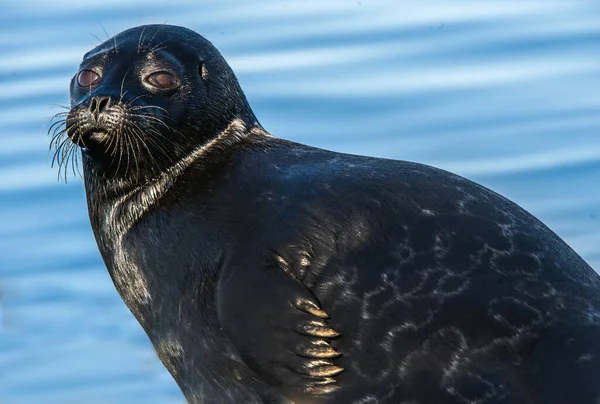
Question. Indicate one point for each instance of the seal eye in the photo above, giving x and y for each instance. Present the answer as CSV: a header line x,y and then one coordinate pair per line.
x,y
88,78
162,80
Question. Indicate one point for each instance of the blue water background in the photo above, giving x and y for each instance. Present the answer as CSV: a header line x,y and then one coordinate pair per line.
x,y
504,92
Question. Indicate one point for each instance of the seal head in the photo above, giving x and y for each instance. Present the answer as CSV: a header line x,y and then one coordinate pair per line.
x,y
143,100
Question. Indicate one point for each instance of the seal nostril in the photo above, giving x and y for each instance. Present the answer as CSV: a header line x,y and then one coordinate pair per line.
x,y
99,104
103,103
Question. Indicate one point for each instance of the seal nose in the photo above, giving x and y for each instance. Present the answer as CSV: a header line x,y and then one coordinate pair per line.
x,y
99,104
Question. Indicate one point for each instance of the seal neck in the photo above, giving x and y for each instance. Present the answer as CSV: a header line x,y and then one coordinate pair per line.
x,y
116,205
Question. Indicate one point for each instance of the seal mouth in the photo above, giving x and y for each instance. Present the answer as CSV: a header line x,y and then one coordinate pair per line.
x,y
92,136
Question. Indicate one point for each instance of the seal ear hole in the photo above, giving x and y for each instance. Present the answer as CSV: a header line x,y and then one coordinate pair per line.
x,y
202,70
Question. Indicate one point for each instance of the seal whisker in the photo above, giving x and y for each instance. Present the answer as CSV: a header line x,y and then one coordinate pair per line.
x,y
128,103
126,142
119,147
56,160
95,36
139,141
158,47
58,119
115,149
148,106
159,146
149,136
141,40
136,156
160,121
122,84
158,29
108,37
75,162
56,126
65,107
60,142
111,146
56,157
63,158
58,132
72,157
157,138
58,138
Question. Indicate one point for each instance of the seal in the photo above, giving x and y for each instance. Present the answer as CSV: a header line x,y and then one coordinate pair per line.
x,y
267,271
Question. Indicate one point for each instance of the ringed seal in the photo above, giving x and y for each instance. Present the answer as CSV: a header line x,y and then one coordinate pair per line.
x,y
267,271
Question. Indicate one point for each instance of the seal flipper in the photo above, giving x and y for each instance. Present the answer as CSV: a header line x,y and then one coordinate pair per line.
x,y
317,350
279,330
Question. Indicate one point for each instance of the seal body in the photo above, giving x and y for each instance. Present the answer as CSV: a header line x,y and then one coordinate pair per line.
x,y
266,271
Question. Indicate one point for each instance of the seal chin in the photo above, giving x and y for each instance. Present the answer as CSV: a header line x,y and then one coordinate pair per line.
x,y
91,142
89,138
97,136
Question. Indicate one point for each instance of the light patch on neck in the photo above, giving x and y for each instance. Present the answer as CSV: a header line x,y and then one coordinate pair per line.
x,y
129,208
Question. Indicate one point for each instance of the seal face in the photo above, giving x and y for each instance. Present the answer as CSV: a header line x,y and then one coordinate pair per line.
x,y
266,271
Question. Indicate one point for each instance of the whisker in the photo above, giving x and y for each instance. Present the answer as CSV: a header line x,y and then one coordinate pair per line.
x,y
57,135
128,103
109,146
120,149
56,125
148,106
169,128
108,37
98,39
71,150
141,41
56,139
126,141
60,106
139,141
122,83
114,144
158,49
151,138
123,95
138,134
153,36
61,156
56,158
75,163
157,31
144,116
136,157
60,142
158,46
59,116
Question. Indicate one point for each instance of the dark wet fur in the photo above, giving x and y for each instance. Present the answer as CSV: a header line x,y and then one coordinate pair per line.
x,y
264,270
